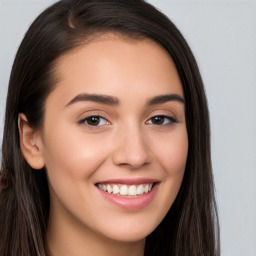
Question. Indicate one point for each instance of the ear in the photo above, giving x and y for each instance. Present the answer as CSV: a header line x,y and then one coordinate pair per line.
x,y
30,143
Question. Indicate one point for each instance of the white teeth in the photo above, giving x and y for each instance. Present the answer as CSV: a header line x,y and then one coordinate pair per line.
x,y
140,190
115,189
109,188
132,190
126,190
146,188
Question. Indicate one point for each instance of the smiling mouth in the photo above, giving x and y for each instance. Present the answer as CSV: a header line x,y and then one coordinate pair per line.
x,y
125,190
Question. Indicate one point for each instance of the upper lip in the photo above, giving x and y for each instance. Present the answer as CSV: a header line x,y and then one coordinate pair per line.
x,y
129,181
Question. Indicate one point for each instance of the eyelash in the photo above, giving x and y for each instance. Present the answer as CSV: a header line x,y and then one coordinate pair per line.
x,y
89,118
167,120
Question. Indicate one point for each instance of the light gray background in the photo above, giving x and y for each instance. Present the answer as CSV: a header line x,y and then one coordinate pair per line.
x,y
222,35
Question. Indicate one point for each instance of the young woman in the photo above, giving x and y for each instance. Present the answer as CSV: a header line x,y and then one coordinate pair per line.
x,y
106,145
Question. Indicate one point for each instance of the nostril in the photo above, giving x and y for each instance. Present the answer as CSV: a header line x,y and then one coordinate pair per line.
x,y
133,165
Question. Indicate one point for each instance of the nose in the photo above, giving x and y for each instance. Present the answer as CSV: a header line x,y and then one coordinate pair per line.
x,y
131,148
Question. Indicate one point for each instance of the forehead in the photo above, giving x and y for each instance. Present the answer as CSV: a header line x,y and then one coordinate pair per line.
x,y
112,64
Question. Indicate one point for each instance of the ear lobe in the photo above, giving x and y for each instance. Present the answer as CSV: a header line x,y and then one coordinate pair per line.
x,y
30,143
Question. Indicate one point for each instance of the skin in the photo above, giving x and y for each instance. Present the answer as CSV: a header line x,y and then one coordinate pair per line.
x,y
127,143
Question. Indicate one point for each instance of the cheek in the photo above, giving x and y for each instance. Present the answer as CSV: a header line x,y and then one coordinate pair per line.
x,y
70,154
172,152
172,156
71,159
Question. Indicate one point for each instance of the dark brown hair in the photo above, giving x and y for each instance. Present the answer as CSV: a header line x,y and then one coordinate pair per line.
x,y
191,225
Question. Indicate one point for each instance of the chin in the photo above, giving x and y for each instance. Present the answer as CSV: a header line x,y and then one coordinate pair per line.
x,y
130,233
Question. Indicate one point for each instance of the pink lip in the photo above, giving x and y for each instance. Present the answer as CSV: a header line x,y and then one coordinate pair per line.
x,y
130,203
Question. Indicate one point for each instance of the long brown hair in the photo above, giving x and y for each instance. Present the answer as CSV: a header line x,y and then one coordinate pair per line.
x,y
191,225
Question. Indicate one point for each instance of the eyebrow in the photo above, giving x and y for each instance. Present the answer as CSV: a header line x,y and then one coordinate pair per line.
x,y
165,98
113,101
103,99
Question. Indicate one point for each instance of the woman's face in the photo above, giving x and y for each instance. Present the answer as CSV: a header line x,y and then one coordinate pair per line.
x,y
114,141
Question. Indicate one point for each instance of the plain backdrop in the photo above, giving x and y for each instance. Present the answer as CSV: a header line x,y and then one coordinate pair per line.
x,y
222,35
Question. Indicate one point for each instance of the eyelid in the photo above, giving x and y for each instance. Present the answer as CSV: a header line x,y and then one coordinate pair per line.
x,y
92,112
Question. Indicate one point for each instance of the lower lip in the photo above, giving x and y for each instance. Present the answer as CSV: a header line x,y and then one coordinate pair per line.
x,y
131,203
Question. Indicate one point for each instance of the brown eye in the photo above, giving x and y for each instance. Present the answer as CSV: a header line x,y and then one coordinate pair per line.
x,y
161,120
94,121
158,120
